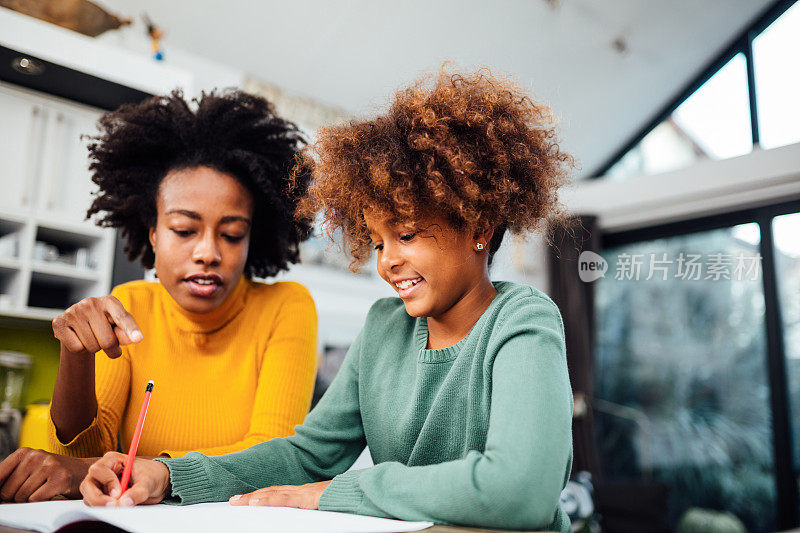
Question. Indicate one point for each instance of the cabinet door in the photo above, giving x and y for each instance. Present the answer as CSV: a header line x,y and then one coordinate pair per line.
x,y
67,184
22,132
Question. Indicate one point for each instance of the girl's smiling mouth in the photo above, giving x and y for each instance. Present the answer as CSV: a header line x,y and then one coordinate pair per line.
x,y
407,287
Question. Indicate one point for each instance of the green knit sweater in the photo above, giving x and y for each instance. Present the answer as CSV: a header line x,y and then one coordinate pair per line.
x,y
477,434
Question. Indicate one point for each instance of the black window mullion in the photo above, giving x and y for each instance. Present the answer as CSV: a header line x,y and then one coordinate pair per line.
x,y
785,479
751,87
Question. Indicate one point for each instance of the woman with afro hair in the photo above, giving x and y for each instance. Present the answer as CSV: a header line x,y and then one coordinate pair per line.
x,y
202,196
459,387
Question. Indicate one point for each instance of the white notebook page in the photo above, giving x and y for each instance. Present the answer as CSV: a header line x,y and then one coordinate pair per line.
x,y
212,517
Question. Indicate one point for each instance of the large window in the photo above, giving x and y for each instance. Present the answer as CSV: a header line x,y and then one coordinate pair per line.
x,y
776,54
714,122
697,363
682,393
714,119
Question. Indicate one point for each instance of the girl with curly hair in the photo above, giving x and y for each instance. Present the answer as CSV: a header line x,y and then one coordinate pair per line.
x,y
459,387
202,196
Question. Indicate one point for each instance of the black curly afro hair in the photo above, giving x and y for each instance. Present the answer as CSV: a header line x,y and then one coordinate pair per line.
x,y
232,132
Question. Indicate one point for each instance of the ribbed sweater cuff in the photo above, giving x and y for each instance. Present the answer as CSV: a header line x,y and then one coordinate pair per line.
x,y
343,494
171,454
189,479
87,443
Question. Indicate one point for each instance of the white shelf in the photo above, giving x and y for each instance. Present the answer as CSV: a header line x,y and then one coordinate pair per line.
x,y
12,263
31,313
12,221
83,231
26,280
60,271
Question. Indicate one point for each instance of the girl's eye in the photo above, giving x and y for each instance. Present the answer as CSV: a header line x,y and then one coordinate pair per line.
x,y
407,237
233,238
183,233
379,247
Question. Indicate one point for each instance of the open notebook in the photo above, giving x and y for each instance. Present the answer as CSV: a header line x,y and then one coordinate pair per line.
x,y
216,517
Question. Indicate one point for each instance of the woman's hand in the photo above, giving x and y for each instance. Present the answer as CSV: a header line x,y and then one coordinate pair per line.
x,y
149,482
36,475
95,324
91,325
300,496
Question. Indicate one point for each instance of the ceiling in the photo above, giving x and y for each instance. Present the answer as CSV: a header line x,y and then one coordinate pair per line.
x,y
353,54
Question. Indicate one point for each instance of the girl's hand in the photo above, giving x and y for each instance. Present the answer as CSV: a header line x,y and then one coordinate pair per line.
x,y
300,496
149,482
95,324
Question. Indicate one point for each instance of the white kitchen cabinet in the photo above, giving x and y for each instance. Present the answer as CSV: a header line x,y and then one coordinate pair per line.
x,y
66,186
21,129
50,257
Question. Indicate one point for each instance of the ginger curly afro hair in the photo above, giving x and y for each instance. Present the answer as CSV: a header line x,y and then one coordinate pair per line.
x,y
232,132
471,147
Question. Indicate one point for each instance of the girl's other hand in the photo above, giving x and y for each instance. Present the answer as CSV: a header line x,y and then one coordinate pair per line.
x,y
95,324
300,496
149,482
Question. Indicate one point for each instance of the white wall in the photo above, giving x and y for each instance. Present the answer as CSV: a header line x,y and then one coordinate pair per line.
x,y
206,74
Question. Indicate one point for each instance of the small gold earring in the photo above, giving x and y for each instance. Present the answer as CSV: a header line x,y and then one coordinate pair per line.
x,y
479,246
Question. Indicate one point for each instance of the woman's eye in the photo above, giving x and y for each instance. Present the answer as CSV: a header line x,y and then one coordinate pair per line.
x,y
182,232
407,237
233,238
379,247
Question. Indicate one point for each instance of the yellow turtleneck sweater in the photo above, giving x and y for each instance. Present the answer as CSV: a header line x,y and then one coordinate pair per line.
x,y
224,380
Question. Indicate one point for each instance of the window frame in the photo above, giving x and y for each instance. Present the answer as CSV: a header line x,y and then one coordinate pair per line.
x,y
787,495
742,43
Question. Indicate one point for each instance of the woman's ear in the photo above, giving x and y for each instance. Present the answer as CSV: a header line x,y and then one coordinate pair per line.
x,y
152,237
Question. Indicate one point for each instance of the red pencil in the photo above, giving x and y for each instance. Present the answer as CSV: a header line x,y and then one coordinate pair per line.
x,y
126,473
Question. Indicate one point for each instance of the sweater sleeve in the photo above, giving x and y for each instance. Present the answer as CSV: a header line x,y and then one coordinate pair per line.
x,y
516,481
286,378
112,384
327,444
